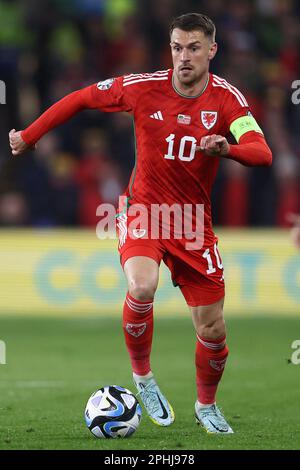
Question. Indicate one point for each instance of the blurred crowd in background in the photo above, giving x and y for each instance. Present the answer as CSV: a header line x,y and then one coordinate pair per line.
x,y
52,47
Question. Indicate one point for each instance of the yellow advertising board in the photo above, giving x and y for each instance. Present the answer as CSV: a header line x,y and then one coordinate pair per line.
x,y
72,272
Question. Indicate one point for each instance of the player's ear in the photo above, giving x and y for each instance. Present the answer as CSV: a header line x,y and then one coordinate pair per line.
x,y
212,50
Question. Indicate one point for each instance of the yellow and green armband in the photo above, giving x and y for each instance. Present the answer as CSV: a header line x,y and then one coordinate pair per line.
x,y
242,125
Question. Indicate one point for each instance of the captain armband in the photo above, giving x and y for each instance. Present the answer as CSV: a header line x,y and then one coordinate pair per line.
x,y
242,125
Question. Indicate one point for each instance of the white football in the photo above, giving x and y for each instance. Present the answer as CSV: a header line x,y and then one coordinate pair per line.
x,y
112,411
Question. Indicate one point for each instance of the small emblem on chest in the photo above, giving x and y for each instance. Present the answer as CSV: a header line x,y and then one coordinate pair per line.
x,y
209,118
184,119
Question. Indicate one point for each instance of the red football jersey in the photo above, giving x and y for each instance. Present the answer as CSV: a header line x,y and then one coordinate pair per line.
x,y
168,127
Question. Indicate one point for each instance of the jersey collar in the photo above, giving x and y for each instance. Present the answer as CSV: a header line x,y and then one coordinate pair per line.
x,y
187,96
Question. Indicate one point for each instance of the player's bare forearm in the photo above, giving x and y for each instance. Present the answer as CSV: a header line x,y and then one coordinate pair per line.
x,y
252,149
20,141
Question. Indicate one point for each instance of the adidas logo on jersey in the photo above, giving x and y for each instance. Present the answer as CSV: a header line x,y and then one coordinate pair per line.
x,y
157,115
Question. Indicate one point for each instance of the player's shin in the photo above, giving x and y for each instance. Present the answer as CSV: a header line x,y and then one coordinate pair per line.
x,y
210,359
138,331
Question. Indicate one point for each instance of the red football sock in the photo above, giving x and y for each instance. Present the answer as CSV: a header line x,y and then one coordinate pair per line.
x,y
211,355
138,330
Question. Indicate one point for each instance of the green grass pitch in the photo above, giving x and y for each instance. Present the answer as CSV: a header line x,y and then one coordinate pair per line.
x,y
53,365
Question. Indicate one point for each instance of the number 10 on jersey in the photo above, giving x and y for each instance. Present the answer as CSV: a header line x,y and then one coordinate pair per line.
x,y
182,154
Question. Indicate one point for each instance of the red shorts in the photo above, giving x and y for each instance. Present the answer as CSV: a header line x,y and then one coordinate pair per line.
x,y
197,272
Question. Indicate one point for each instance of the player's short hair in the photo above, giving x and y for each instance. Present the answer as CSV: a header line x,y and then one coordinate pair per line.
x,y
194,22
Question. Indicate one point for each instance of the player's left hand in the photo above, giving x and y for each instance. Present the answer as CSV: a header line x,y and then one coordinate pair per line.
x,y
214,145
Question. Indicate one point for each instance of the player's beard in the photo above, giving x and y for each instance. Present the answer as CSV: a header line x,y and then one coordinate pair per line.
x,y
189,79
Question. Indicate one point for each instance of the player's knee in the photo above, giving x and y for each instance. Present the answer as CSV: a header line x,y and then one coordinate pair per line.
x,y
213,330
142,290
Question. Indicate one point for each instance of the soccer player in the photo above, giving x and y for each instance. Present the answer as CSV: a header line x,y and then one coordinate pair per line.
x,y
182,117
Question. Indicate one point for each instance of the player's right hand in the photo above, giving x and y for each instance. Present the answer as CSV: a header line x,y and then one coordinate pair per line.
x,y
214,145
17,144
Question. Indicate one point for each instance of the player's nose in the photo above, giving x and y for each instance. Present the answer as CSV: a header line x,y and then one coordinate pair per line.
x,y
185,55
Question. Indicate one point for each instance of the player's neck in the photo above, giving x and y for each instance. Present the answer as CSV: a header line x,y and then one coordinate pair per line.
x,y
191,91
